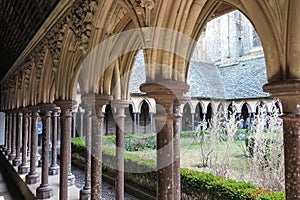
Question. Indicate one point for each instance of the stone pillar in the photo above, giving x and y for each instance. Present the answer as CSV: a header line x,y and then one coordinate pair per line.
x,y
12,154
288,92
85,192
44,191
134,123
165,94
17,161
138,123
96,157
9,132
151,123
33,176
29,134
66,177
5,131
120,106
193,121
73,124
24,167
81,122
54,168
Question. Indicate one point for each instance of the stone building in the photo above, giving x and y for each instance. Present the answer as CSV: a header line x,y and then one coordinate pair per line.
x,y
49,47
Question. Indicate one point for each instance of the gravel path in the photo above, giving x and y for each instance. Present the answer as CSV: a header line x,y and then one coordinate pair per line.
x,y
108,191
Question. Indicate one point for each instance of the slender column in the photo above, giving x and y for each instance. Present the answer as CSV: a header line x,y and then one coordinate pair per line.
x,y
120,106
9,133
33,176
138,123
134,123
73,124
151,123
81,122
17,161
54,168
85,192
167,123
66,178
5,132
44,191
12,154
193,121
29,134
24,167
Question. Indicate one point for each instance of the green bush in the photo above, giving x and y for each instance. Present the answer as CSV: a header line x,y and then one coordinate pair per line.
x,y
194,184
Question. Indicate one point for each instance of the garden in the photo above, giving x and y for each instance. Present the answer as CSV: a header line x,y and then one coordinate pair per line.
x,y
220,158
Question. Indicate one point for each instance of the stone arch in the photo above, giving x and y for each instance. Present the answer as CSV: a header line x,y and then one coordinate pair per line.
x,y
260,104
68,67
260,14
46,87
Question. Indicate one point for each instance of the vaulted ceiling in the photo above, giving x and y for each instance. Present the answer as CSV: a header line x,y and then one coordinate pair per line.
x,y
19,21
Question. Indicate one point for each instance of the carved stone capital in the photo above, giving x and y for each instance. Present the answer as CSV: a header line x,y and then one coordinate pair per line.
x,y
165,93
288,91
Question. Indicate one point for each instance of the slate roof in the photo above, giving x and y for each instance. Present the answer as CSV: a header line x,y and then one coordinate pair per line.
x,y
239,81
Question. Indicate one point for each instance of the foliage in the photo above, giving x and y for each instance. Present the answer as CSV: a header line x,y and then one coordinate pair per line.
x,y
195,184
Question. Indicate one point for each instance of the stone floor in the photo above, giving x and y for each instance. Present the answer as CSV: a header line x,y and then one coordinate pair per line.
x,y
108,191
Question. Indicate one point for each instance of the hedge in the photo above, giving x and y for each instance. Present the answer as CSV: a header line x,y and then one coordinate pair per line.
x,y
194,184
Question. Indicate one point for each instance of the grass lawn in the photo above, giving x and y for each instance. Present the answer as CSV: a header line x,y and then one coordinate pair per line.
x,y
190,156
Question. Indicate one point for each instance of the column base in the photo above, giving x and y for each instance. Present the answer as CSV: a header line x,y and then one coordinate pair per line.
x,y
11,156
85,194
71,179
7,152
23,169
53,170
32,178
17,161
44,192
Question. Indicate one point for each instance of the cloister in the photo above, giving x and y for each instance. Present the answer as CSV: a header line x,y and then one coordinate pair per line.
x,y
93,44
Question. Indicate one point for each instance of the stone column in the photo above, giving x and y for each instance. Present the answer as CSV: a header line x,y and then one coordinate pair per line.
x,y
193,121
81,112
54,168
85,192
44,191
5,131
33,176
138,123
17,161
12,154
120,106
24,167
96,150
29,134
134,123
151,123
9,133
288,92
165,94
73,124
66,177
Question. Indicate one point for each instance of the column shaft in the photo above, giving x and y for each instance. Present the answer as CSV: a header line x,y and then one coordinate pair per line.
x,y
9,132
44,190
65,147
12,154
120,106
291,129
24,167
85,193
54,168
29,134
17,160
33,176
